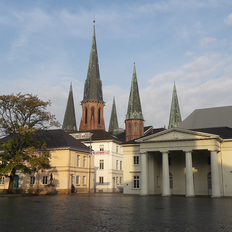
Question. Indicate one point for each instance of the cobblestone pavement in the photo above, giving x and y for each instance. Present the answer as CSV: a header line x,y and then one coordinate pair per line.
x,y
115,212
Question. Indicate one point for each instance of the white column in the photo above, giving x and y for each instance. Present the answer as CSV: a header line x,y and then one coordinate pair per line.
x,y
189,174
165,170
144,174
216,191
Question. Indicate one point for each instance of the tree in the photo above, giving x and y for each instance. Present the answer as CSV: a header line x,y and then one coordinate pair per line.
x,y
22,116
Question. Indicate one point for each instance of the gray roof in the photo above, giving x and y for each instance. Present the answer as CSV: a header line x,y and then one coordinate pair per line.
x,y
175,116
69,123
93,84
134,110
113,118
208,117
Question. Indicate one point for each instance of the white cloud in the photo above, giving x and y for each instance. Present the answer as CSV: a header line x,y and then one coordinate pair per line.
x,y
228,20
189,53
207,40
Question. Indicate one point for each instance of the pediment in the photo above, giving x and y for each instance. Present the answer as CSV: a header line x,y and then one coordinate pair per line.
x,y
176,134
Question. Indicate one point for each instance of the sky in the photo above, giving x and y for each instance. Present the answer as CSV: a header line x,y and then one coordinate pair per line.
x,y
45,45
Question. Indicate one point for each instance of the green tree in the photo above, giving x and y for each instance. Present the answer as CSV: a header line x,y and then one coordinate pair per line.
x,y
21,117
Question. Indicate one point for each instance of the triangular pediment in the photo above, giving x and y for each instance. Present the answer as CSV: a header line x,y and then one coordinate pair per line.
x,y
176,134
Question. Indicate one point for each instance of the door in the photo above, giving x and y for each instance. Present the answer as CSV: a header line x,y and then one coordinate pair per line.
x,y
16,182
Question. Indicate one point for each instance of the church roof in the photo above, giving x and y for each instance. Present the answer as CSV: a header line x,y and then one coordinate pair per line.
x,y
175,116
69,123
134,110
208,118
93,84
56,139
113,118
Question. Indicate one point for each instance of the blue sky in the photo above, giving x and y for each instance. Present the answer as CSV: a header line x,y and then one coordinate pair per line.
x,y
45,45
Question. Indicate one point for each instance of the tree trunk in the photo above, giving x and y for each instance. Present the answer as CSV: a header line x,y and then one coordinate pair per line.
x,y
11,183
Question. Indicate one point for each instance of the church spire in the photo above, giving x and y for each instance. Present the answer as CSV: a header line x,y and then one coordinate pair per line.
x,y
113,119
134,118
175,116
92,104
93,84
69,123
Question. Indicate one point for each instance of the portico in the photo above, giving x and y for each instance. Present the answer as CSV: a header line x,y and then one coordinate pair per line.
x,y
175,161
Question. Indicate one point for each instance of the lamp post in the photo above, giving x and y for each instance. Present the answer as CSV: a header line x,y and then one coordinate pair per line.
x,y
90,153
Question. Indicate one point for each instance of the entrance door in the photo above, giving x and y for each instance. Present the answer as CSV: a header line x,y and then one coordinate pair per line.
x,y
16,182
209,183
171,182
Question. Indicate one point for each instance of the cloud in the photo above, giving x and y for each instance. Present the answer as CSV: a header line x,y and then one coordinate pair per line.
x,y
228,20
207,40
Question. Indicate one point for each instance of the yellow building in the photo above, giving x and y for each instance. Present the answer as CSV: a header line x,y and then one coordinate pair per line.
x,y
70,163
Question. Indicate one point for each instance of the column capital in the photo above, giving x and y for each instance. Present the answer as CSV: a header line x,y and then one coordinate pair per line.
x,y
216,150
143,153
188,151
164,151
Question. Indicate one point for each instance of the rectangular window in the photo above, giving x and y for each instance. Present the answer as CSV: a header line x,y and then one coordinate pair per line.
x,y
120,165
116,149
78,160
136,160
32,180
120,180
101,164
101,147
117,180
116,164
84,161
2,179
77,180
82,136
101,180
84,180
136,182
45,180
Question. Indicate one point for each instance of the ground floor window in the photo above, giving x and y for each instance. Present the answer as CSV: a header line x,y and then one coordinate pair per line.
x,y
136,182
2,179
84,180
45,180
120,180
101,180
117,180
77,180
32,180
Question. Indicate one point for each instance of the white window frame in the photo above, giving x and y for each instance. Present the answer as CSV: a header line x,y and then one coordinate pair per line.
x,y
32,180
136,160
78,160
84,161
77,180
45,180
2,180
84,180
101,180
136,184
101,147
101,164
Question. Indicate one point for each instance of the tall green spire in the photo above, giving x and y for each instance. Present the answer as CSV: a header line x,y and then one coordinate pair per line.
x,y
113,119
134,110
93,84
69,123
175,116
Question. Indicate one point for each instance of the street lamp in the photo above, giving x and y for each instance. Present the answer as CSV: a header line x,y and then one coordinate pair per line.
x,y
90,153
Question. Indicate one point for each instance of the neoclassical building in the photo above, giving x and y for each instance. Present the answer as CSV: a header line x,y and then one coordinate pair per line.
x,y
181,160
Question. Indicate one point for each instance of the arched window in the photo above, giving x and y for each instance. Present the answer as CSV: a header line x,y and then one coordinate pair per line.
x,y
86,115
136,128
99,116
129,129
92,112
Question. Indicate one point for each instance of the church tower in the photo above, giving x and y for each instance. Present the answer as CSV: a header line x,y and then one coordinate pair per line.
x,y
134,118
175,116
113,119
69,123
92,104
